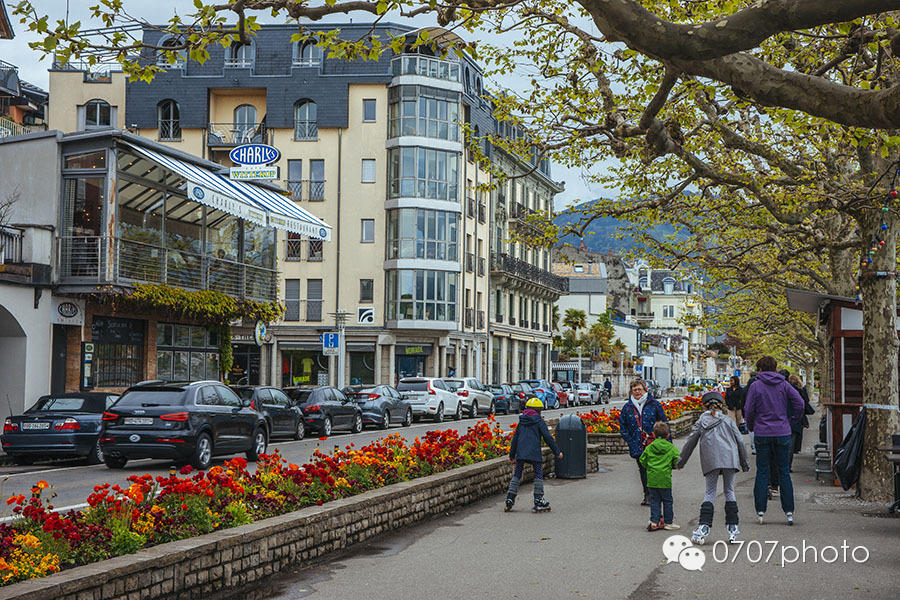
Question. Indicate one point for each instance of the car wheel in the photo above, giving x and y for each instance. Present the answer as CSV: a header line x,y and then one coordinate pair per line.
x,y
23,460
409,418
439,415
326,427
203,450
458,414
357,424
259,445
115,462
473,412
300,430
95,457
386,420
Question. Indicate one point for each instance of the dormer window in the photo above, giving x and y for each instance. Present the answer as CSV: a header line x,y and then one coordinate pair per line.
x,y
668,286
162,60
307,54
239,55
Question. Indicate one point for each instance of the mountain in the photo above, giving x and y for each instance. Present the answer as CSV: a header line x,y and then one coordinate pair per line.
x,y
605,233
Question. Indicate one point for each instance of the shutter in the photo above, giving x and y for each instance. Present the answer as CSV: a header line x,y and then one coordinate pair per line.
x,y
292,299
313,289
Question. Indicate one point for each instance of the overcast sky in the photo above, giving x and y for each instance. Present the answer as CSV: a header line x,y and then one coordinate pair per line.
x,y
17,52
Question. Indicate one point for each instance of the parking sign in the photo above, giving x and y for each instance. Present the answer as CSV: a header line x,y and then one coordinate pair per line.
x,y
331,343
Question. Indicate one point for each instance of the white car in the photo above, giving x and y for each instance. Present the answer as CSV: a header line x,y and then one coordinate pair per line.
x,y
586,394
474,395
429,396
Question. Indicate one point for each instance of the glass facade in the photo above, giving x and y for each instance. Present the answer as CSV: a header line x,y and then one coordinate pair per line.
x,y
424,111
425,66
422,295
421,233
186,352
423,173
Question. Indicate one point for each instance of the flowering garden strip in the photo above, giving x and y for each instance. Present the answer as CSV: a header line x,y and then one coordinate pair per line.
x,y
148,512
608,422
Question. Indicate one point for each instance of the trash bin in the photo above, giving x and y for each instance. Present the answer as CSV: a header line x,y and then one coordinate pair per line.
x,y
571,436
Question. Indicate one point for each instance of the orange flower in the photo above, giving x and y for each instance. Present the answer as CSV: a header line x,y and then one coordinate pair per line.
x,y
42,484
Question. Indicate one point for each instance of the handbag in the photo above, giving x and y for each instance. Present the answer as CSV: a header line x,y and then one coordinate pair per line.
x,y
646,438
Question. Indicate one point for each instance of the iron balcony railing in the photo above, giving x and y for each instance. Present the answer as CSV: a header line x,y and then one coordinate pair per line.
x,y
293,250
11,245
121,261
414,64
234,134
305,189
8,128
503,263
306,131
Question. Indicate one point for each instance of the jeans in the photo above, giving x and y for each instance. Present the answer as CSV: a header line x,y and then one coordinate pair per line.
x,y
661,496
777,448
643,473
538,468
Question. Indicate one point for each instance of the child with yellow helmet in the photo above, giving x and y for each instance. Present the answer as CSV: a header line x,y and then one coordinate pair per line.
x,y
526,448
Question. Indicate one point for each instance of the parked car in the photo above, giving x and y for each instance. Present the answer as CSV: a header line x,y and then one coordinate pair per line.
x,y
562,395
476,397
522,393
283,417
653,388
186,422
506,399
381,405
544,392
587,394
429,396
58,425
326,408
602,392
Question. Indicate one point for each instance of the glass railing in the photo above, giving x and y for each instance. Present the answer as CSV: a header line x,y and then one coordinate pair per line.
x,y
425,66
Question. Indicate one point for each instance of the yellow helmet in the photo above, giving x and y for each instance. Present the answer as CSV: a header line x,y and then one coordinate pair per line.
x,y
534,403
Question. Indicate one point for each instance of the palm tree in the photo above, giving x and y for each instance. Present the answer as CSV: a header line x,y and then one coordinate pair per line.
x,y
554,317
575,319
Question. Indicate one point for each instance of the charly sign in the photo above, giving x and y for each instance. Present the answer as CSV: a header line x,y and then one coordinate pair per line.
x,y
254,160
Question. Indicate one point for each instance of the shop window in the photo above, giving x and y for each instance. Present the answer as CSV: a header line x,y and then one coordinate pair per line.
x,y
362,368
186,352
118,360
305,367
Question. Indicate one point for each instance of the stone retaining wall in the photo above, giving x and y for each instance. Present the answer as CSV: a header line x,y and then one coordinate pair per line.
x,y
613,443
202,566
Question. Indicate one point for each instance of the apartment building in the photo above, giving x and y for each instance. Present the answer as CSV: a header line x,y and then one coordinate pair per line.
x,y
374,148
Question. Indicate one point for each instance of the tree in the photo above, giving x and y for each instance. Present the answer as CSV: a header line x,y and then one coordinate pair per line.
x,y
640,88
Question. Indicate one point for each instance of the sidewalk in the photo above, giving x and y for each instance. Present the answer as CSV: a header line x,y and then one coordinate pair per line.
x,y
593,545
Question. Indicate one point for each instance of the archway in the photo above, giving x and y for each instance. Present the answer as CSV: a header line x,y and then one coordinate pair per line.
x,y
12,366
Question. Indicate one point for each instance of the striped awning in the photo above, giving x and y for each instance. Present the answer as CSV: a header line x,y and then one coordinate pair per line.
x,y
254,203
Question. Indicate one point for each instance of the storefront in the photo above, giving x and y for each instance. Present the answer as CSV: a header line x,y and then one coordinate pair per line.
x,y
304,365
246,364
411,360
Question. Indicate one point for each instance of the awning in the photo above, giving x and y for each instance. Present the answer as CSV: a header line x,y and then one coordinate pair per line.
x,y
253,203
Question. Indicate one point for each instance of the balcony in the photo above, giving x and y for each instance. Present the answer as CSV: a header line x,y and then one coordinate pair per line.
x,y
425,66
526,273
306,131
481,318
470,317
8,128
470,262
306,189
644,318
11,245
235,134
309,310
112,260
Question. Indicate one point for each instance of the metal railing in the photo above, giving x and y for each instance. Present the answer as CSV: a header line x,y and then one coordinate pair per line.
x,y
90,259
503,263
238,62
293,250
414,64
313,310
305,189
11,245
306,131
233,134
8,128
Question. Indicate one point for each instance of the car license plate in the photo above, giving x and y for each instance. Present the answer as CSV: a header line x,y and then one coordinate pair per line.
x,y
139,420
35,425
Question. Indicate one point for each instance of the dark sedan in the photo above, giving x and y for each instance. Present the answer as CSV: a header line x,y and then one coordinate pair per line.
x,y
326,409
505,399
522,392
182,422
381,405
282,416
58,425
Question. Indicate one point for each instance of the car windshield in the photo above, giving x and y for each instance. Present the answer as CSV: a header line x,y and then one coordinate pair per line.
x,y
413,386
300,396
583,386
67,404
453,385
149,397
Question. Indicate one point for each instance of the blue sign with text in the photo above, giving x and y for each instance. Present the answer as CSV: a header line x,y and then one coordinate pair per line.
x,y
254,154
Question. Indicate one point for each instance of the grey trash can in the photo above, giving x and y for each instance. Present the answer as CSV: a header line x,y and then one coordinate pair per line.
x,y
571,436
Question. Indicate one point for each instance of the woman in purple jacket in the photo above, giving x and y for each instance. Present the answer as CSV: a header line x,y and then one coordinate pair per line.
x,y
769,418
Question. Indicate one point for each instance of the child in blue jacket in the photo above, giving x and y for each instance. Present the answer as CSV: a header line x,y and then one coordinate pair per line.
x,y
526,448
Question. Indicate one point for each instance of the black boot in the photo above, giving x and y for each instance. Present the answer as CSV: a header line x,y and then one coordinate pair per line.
x,y
706,513
731,513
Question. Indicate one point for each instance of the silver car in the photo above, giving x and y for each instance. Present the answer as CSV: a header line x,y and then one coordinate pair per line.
x,y
474,395
429,397
586,394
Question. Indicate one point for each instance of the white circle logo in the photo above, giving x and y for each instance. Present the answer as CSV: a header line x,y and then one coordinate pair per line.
x,y
198,193
67,309
134,437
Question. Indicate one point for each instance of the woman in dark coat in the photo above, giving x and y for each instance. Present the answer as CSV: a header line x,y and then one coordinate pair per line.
x,y
640,414
734,400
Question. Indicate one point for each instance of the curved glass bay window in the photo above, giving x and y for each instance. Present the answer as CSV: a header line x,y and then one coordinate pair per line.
x,y
422,295
424,111
423,173
421,233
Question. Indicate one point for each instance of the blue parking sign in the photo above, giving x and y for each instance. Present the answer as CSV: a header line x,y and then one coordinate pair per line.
x,y
331,343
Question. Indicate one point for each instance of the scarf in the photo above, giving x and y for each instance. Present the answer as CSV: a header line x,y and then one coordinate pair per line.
x,y
640,402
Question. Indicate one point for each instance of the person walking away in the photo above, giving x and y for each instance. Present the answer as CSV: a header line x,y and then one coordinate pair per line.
x,y
636,420
744,413
722,453
797,428
766,411
607,385
734,399
525,447
659,458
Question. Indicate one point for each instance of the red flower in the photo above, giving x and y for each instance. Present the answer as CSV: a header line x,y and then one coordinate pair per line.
x,y
186,469
184,507
323,438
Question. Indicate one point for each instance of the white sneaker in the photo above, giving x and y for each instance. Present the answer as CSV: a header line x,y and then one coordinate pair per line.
x,y
700,535
733,532
671,527
790,518
760,516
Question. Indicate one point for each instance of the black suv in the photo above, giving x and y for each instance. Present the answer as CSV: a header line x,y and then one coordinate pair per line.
x,y
184,422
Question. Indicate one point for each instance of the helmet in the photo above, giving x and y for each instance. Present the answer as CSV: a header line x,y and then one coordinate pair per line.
x,y
711,397
534,403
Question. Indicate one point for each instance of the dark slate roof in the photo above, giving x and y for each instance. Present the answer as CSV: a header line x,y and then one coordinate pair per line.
x,y
657,277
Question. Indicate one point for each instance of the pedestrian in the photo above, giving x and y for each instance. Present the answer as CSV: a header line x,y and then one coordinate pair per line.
x,y
797,428
636,420
659,458
766,411
747,387
607,385
722,453
734,399
525,447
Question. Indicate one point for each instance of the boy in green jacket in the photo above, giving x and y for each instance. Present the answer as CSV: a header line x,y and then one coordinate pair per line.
x,y
659,458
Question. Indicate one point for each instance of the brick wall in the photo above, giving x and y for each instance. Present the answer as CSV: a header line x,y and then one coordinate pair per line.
x,y
199,567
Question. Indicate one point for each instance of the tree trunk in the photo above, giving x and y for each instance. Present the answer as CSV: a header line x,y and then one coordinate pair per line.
x,y
880,347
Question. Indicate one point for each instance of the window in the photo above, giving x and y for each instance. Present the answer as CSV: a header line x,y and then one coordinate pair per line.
x,y
422,295
423,111
313,299
306,125
367,230
169,120
244,123
316,180
295,179
421,233
97,114
162,60
291,299
423,173
307,54
579,268
315,251
118,352
366,290
239,55
369,107
368,170
186,352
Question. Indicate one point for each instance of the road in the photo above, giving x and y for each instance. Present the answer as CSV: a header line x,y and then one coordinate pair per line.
x,y
73,482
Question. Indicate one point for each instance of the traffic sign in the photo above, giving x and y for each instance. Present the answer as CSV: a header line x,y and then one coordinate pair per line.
x,y
737,372
331,343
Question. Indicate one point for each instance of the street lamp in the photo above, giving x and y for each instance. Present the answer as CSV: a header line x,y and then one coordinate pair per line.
x,y
340,319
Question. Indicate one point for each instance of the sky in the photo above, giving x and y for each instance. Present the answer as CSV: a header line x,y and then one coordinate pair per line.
x,y
33,70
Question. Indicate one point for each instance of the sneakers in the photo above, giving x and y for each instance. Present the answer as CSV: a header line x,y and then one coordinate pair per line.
x,y
700,535
733,532
790,518
671,527
651,526
760,516
510,501
540,505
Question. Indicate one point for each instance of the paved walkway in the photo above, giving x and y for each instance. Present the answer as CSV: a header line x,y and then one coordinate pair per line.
x,y
593,545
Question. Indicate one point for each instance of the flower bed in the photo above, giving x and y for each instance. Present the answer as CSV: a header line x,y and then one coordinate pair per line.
x,y
608,422
149,512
